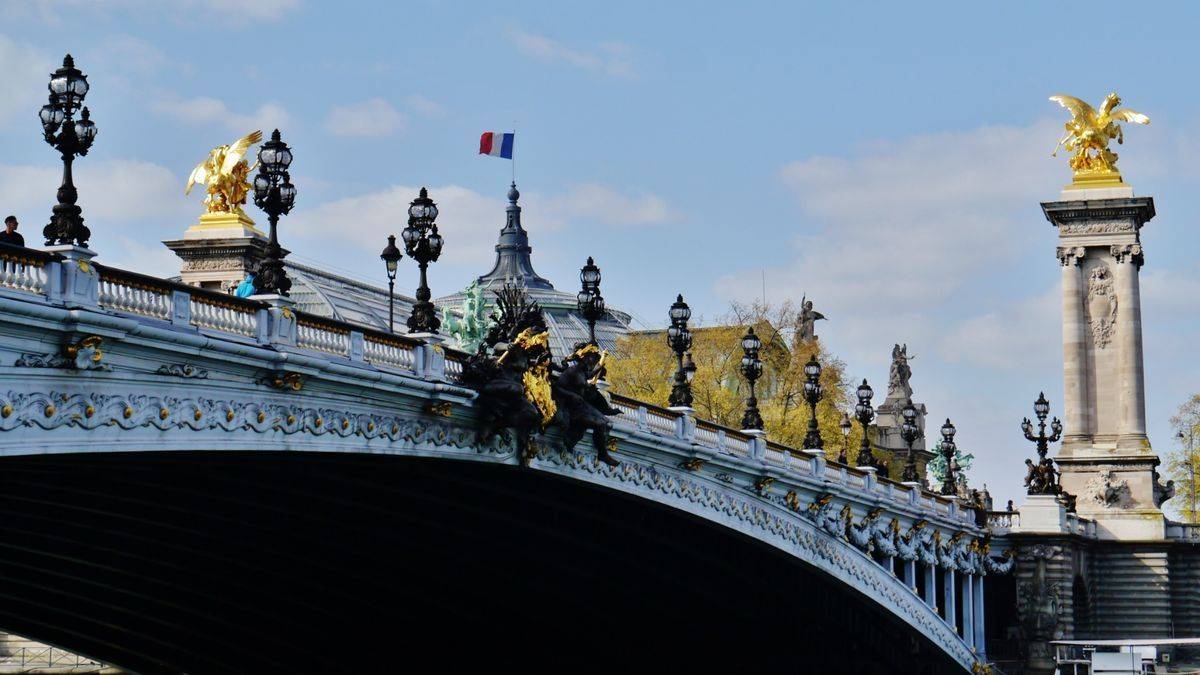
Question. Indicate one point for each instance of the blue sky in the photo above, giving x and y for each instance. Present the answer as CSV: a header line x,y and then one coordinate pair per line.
x,y
885,159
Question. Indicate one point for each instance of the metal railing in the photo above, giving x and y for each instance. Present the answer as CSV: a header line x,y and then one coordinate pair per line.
x,y
48,657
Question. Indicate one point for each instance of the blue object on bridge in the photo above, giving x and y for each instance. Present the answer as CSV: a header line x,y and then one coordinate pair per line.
x,y
246,288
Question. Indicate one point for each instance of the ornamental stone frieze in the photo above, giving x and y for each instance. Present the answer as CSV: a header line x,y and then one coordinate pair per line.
x,y
1097,227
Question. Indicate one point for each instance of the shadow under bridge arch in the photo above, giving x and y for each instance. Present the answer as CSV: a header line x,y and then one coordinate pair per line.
x,y
258,562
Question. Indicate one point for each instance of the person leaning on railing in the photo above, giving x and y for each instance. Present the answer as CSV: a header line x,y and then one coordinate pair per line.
x,y
10,234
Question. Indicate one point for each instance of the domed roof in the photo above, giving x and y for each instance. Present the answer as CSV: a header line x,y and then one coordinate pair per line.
x,y
514,264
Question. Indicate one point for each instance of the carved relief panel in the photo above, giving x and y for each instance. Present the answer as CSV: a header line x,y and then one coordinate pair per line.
x,y
1101,306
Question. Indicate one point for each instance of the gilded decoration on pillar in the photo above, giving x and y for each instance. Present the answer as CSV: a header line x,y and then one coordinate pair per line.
x,y
1101,306
1088,134
225,172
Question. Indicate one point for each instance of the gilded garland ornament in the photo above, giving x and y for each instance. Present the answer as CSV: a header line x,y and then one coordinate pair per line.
x,y
1088,134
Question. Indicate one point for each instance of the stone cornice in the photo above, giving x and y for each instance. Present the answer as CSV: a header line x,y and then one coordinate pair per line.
x,y
1137,210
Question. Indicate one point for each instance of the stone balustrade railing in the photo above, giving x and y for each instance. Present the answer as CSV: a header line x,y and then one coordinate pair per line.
x,y
726,441
23,269
1189,532
322,335
1003,521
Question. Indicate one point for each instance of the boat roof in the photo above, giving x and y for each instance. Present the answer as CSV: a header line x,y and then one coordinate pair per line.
x,y
1139,642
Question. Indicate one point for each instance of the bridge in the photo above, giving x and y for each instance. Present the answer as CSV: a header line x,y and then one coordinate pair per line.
x,y
192,481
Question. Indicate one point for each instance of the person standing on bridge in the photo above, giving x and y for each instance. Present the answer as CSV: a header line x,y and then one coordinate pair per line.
x,y
10,235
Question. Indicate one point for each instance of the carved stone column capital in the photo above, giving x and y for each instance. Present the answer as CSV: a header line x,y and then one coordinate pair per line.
x,y
1070,255
1127,253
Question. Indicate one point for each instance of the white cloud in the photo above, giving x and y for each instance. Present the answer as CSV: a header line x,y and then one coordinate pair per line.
x,y
26,72
205,110
371,118
593,202
231,12
467,220
129,205
128,54
1023,332
918,218
424,106
610,58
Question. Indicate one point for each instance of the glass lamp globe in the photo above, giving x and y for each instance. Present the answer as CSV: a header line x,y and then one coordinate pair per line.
x,y
948,430
750,342
865,392
1041,406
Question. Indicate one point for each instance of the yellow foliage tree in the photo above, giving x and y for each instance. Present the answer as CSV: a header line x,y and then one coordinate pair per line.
x,y
643,366
1183,464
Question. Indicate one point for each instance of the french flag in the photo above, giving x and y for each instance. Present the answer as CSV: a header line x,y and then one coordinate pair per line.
x,y
496,144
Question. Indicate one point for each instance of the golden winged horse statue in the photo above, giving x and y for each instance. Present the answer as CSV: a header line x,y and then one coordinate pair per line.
x,y
1089,133
225,173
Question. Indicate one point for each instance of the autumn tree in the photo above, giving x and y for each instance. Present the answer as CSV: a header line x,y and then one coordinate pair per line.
x,y
642,367
1184,463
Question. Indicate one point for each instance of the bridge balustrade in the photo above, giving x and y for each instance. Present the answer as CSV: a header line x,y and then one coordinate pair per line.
x,y
849,522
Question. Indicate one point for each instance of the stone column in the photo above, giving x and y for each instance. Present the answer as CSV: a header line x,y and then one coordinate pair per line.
x,y
968,613
910,574
948,591
1078,426
930,588
1132,430
977,604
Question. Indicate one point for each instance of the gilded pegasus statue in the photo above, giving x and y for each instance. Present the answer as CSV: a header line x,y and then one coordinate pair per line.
x,y
1089,133
225,172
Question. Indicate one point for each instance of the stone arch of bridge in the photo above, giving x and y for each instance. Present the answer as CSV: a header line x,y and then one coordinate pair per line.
x,y
305,562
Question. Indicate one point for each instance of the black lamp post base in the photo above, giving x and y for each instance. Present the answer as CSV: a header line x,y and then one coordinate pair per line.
x,y
271,278
424,318
66,227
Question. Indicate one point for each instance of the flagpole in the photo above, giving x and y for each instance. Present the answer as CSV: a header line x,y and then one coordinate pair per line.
x,y
514,157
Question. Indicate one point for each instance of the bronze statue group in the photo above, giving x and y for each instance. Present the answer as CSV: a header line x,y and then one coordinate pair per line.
x,y
522,389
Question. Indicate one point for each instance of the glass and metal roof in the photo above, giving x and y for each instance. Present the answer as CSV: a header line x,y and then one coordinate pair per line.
x,y
514,264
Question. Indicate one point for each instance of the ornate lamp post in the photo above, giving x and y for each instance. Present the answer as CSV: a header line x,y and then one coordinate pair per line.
x,y
865,413
910,432
845,426
949,479
752,370
391,260
1042,479
589,300
71,137
812,395
423,244
679,338
275,195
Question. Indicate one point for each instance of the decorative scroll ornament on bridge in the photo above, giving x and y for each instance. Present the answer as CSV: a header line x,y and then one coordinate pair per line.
x,y
1088,134
521,389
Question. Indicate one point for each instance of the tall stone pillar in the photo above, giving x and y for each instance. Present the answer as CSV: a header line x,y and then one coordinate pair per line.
x,y
1132,434
1075,390
1106,459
